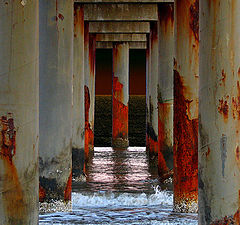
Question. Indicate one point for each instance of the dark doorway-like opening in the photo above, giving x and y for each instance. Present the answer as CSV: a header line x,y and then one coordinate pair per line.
x,y
103,100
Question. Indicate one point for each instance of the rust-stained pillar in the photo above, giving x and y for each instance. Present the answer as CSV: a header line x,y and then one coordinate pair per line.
x,y
152,92
56,71
78,92
186,105
120,95
89,89
19,130
165,90
219,113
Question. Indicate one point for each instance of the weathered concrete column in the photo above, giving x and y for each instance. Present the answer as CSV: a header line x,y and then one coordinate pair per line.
x,y
219,113
152,92
89,89
19,131
186,106
78,92
56,70
165,90
120,95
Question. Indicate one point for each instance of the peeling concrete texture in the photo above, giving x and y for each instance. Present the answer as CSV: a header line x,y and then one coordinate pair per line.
x,y
219,172
19,112
186,76
56,71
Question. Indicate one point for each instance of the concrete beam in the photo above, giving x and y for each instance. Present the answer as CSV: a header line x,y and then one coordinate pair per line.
x,y
124,1
120,37
132,45
120,12
119,27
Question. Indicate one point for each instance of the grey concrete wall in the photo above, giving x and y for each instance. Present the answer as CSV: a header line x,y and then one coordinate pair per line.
x,y
119,27
56,71
120,12
19,131
132,45
121,37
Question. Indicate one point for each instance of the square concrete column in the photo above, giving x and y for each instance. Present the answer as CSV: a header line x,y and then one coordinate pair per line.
x,y
78,92
186,105
152,92
56,72
219,113
165,90
19,130
120,95
89,89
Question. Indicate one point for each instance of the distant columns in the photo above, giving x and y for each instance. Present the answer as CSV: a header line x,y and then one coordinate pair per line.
x,y
186,105
152,91
56,70
219,113
78,92
89,89
19,130
120,95
165,90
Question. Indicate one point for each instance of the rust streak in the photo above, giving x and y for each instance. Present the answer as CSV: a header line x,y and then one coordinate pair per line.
x,y
194,19
68,189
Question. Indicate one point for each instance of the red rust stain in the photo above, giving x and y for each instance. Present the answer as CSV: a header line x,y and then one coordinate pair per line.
x,y
185,147
92,53
163,110
68,189
208,152
60,16
194,19
236,104
42,193
120,112
78,20
223,78
237,155
239,72
89,135
166,16
223,108
154,31
13,199
151,144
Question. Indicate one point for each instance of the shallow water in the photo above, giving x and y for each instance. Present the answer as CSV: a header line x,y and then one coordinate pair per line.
x,y
120,189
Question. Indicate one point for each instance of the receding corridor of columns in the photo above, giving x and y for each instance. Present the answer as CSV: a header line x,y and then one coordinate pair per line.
x,y
119,112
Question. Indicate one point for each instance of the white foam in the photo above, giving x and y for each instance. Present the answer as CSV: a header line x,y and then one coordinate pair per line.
x,y
103,199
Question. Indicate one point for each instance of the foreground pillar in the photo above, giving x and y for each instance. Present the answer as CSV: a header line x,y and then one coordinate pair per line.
x,y
219,101
165,91
186,106
152,92
89,89
19,133
120,95
78,92
56,70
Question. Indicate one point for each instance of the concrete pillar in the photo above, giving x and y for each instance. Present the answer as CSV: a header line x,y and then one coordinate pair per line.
x,y
186,105
165,90
19,131
152,92
78,92
89,89
120,95
219,117
56,70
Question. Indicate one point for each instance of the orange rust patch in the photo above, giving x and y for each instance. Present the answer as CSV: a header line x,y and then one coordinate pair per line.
x,y
237,155
42,193
68,189
120,112
13,199
151,144
223,108
163,110
194,19
78,20
185,147
223,78
208,152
